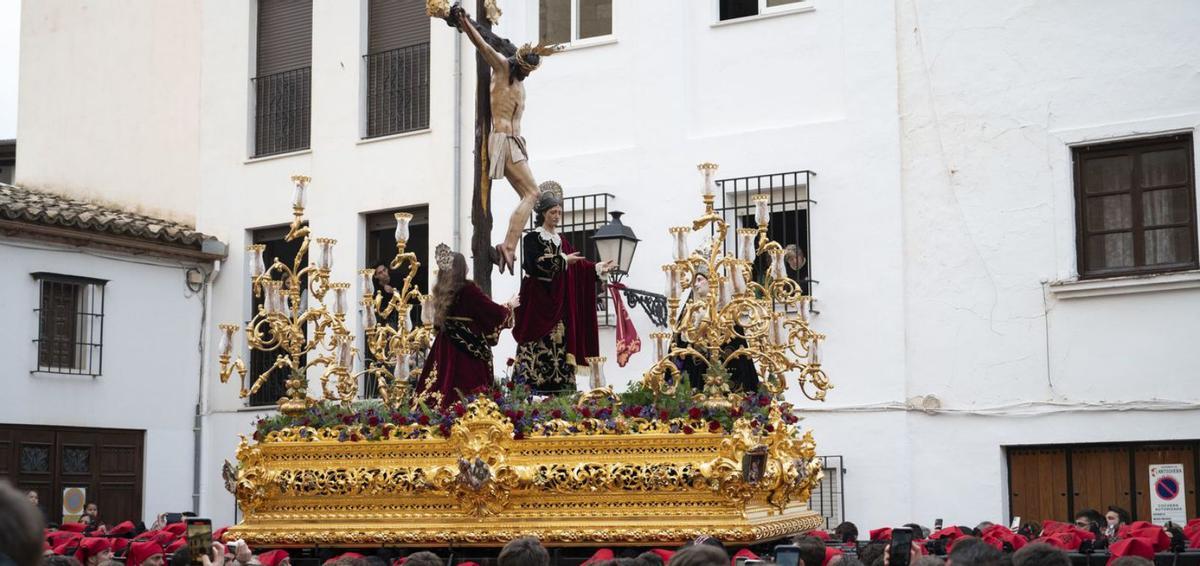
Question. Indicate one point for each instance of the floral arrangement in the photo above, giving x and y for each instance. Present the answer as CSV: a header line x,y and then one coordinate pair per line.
x,y
633,411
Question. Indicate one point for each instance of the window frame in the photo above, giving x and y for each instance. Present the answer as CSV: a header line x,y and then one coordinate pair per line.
x,y
574,40
764,11
1135,147
87,339
267,235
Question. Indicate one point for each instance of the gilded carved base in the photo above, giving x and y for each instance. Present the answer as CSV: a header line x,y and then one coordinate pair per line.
x,y
482,487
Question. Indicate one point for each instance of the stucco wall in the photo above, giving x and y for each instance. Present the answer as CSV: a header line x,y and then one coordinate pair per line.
x,y
150,371
109,101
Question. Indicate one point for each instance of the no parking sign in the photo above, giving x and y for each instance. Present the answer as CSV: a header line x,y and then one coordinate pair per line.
x,y
1167,500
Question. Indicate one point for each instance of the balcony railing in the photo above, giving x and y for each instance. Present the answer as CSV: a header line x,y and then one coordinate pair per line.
x,y
397,90
282,111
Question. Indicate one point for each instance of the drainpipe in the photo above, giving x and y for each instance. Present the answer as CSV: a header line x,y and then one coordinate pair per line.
x,y
202,400
457,224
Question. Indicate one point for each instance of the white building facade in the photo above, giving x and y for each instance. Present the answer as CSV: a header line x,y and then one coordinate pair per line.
x,y
934,195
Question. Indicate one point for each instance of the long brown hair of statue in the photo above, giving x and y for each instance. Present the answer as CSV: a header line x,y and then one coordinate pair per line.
x,y
445,291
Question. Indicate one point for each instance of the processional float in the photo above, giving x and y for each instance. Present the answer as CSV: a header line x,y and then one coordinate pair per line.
x,y
656,464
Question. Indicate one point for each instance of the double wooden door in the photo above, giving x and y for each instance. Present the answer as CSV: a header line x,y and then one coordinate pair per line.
x,y
107,463
1055,482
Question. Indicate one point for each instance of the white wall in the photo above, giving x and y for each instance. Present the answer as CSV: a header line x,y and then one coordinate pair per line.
x,y
991,98
109,102
150,371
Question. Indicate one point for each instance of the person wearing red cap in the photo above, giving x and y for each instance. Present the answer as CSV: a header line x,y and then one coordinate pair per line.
x,y
275,558
1130,547
93,550
146,553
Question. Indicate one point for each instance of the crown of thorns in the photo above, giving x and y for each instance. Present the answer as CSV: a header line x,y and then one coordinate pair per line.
x,y
541,50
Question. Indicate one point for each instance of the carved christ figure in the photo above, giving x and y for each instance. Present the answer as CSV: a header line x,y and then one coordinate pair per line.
x,y
507,155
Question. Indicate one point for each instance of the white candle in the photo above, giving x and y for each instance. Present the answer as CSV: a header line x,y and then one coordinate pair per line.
x,y
761,205
708,170
298,192
679,237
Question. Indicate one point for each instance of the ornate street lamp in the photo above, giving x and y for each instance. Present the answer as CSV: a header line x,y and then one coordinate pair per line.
x,y
616,242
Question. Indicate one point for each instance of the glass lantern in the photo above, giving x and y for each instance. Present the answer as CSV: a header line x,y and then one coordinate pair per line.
x,y
761,209
679,249
402,220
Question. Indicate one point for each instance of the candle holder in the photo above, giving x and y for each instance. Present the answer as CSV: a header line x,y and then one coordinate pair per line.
x,y
736,308
596,378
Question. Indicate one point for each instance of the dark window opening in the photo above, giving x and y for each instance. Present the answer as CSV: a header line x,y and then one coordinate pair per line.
x,y
381,249
790,219
283,81
70,317
397,62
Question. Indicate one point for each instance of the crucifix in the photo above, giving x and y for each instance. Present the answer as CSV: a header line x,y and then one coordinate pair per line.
x,y
500,151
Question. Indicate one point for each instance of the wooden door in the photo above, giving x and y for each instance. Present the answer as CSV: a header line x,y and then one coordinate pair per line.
x,y
105,462
1100,477
1037,479
1144,456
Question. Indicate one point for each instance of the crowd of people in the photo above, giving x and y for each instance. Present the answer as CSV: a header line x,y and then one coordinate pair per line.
x,y
26,541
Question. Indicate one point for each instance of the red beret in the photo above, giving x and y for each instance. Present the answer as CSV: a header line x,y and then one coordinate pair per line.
x,y
176,545
123,528
72,527
949,533
1064,540
140,551
599,556
1130,547
743,552
176,529
350,555
119,545
881,534
272,558
1052,527
1155,535
59,538
219,534
830,552
818,534
91,546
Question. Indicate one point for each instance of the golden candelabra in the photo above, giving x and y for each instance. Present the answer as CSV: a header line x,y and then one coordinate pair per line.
x,y
287,316
769,317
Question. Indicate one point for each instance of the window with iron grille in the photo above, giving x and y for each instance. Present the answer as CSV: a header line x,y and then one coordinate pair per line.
x,y
283,81
276,247
828,496
70,316
397,63
1135,207
733,9
582,216
790,222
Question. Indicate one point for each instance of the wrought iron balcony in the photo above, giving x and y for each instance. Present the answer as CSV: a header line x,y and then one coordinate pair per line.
x,y
397,90
282,111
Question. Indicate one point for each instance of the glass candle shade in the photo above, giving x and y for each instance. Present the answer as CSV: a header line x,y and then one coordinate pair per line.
x,y
814,354
724,291
366,282
299,190
427,310
254,257
738,277
340,290
325,253
662,344
746,248
402,220
225,348
778,269
596,371
368,316
345,353
679,249
762,213
708,170
401,370
672,280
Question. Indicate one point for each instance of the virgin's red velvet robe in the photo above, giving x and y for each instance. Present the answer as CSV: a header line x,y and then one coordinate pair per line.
x,y
462,350
551,292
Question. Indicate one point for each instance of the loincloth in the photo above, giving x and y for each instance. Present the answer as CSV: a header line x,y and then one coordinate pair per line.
x,y
501,147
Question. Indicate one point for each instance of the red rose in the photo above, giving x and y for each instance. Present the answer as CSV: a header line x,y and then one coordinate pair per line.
x,y
714,426
736,412
520,415
459,409
423,420
518,435
694,413
347,420
763,401
373,421
444,429
353,438
770,427
687,429
556,413
586,412
663,415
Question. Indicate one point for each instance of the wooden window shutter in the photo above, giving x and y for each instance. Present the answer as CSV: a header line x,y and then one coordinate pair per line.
x,y
284,35
392,24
